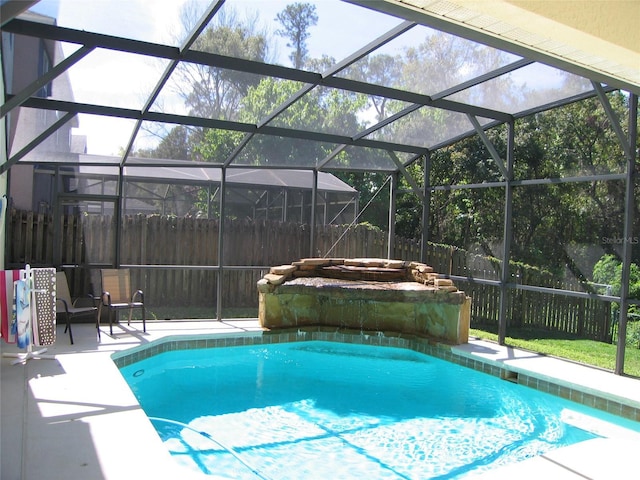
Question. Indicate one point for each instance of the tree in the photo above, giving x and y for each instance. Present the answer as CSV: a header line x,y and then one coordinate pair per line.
x,y
468,218
324,110
434,65
380,69
608,271
563,222
174,145
563,228
374,194
440,62
296,19
212,92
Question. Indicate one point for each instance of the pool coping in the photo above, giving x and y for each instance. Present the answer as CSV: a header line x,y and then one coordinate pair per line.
x,y
514,369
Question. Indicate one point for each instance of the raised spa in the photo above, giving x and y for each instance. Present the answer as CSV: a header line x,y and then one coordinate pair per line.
x,y
367,295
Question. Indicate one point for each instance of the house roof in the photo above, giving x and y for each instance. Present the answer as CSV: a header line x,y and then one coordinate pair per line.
x,y
138,169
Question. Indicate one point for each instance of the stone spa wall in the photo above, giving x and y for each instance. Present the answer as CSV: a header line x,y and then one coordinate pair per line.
x,y
373,295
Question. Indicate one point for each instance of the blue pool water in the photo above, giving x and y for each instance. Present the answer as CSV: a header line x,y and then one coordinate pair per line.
x,y
318,410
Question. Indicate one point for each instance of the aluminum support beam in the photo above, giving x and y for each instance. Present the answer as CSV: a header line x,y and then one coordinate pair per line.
x,y
57,225
631,154
187,43
93,109
351,59
484,37
487,143
507,234
393,192
285,203
629,148
369,131
222,200
605,177
522,114
117,217
9,9
242,65
498,72
40,82
415,188
426,207
36,141
312,221
614,121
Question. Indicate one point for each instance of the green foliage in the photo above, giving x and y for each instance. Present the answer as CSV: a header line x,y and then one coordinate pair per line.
x,y
374,196
215,92
633,334
552,221
408,220
217,145
554,226
369,226
608,270
260,99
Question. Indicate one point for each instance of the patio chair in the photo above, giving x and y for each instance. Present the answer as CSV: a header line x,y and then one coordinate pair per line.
x,y
65,305
117,295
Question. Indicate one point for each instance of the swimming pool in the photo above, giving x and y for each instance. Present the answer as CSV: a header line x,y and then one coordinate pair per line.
x,y
319,409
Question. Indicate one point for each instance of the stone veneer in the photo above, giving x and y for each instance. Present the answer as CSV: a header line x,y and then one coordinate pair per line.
x,y
364,294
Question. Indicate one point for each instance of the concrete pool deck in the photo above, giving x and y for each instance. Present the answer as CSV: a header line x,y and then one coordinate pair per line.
x,y
74,417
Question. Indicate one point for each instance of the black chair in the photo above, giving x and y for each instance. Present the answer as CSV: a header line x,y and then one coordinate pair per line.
x,y
65,305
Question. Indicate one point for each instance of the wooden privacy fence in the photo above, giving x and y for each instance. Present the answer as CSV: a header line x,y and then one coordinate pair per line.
x,y
164,246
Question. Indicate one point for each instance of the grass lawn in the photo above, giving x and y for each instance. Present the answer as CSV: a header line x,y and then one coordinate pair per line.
x,y
589,352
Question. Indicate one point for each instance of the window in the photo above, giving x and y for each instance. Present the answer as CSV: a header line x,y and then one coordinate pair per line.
x,y
44,65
